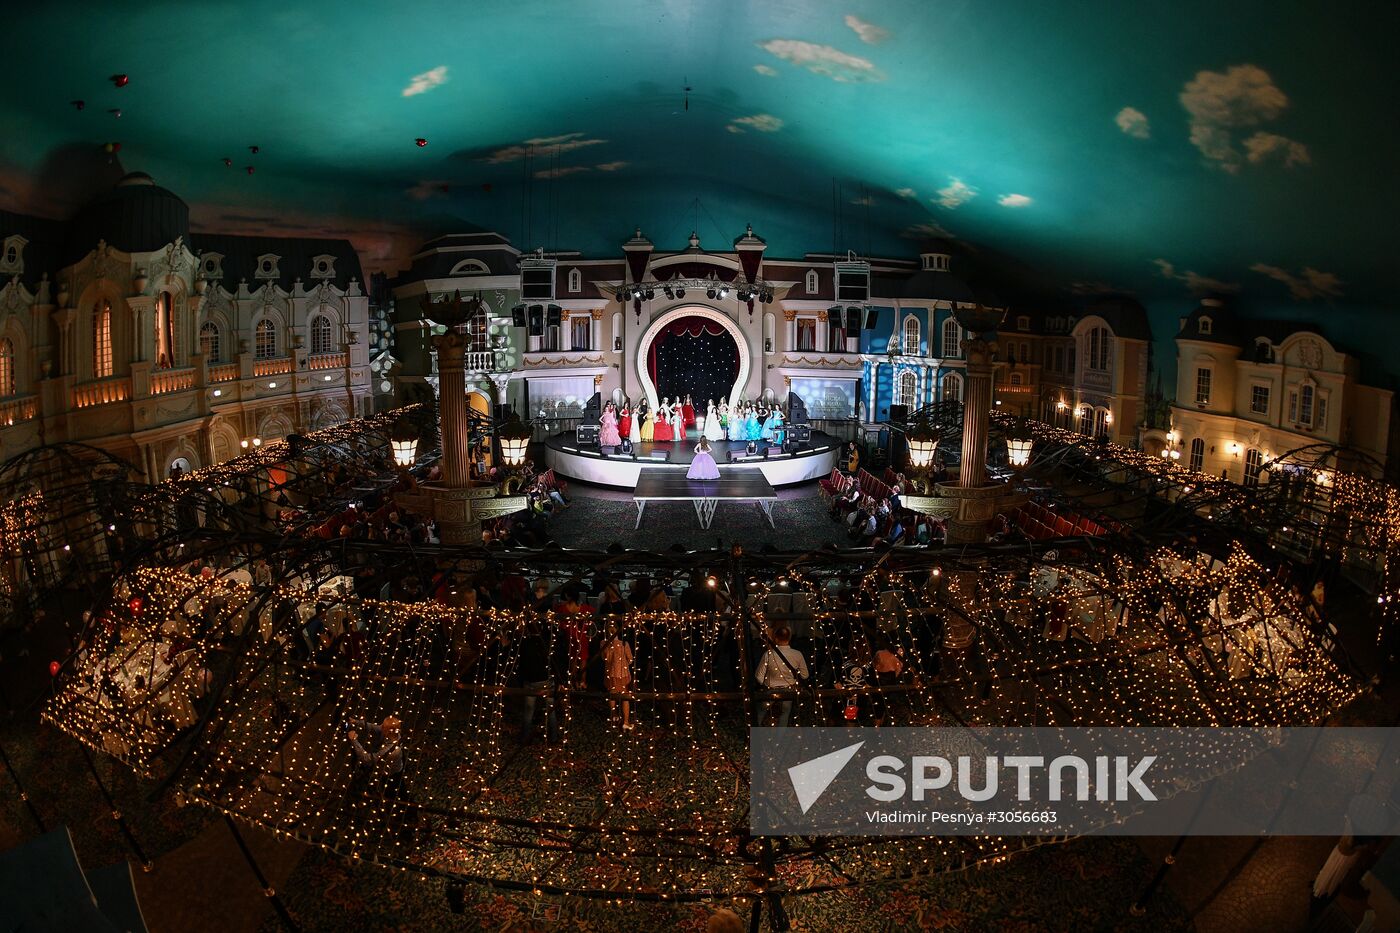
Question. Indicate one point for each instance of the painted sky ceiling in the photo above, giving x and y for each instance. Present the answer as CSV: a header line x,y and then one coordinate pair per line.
x,y
1157,147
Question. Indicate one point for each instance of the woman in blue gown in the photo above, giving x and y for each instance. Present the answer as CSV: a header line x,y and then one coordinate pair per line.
x,y
752,430
736,424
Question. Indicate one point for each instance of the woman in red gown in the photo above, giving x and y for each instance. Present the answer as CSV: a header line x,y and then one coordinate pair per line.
x,y
624,421
689,409
663,421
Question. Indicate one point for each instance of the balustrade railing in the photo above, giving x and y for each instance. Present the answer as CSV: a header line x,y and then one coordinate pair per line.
x,y
479,361
171,380
223,372
328,360
17,409
272,367
88,394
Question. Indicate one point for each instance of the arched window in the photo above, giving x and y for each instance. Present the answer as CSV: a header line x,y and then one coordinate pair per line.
x,y
321,334
575,281
1100,349
102,340
1198,454
911,336
265,340
952,340
811,282
1100,421
165,331
209,343
952,388
1086,421
7,367
1253,464
907,389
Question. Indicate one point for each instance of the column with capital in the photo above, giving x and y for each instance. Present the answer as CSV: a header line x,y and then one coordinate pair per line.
x,y
452,501
977,407
790,331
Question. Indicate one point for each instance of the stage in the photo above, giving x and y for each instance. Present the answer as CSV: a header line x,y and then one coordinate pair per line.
x,y
813,461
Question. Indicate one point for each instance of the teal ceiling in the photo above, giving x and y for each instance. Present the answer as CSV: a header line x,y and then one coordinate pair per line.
x,y
1158,147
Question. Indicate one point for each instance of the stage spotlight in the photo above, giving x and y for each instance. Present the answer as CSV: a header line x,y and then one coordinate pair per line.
x,y
724,291
670,292
680,293
651,293
709,293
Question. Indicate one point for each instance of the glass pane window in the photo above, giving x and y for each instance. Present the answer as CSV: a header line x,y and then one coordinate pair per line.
x,y
265,340
807,334
102,340
209,343
1203,386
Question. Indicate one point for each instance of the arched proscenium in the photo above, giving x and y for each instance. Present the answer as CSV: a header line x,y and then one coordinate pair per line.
x,y
709,314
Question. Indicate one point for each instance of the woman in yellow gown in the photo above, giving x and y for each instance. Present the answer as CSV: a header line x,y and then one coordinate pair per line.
x,y
649,425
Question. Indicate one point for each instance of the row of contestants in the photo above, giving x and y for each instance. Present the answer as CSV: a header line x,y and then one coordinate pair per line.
x,y
747,421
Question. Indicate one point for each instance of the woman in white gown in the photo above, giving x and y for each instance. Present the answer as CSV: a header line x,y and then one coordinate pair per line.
x,y
634,433
713,432
678,422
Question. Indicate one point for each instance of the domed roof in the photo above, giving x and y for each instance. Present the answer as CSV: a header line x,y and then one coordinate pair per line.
x,y
136,216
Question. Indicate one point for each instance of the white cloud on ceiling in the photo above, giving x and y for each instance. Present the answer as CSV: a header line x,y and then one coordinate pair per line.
x,y
1242,96
768,71
824,60
925,231
1194,281
561,171
544,145
1263,146
763,122
863,202
956,193
1133,122
1015,200
426,81
427,190
906,192
610,166
1311,285
869,33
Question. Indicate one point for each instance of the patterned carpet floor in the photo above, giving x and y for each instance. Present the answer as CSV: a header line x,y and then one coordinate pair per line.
x,y
592,523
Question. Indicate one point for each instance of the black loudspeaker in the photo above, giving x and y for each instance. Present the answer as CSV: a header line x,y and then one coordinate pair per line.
x,y
870,315
536,320
555,315
517,316
834,317
899,414
798,434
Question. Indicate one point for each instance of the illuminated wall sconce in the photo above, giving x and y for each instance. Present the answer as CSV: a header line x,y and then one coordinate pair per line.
x,y
248,442
617,344
767,344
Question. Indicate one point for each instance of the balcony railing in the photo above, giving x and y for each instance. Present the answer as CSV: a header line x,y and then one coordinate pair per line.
x,y
117,389
223,372
17,409
328,360
479,361
272,367
171,380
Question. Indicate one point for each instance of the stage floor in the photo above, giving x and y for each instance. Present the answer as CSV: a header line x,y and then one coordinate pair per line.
x,y
816,459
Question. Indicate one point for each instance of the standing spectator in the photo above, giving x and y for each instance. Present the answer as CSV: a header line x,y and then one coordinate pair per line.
x,y
781,668
617,670
537,679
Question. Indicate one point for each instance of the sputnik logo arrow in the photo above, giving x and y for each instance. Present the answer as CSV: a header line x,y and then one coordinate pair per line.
x,y
811,778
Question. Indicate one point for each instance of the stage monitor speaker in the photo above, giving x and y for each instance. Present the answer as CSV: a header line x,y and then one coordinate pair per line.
x,y
870,315
798,434
517,316
899,414
555,315
536,320
586,435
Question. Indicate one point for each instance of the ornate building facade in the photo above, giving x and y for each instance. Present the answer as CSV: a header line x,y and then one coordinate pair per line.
x,y
121,329
1251,391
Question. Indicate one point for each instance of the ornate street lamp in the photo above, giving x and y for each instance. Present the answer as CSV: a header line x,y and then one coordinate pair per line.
x,y
405,445
515,440
1019,442
923,445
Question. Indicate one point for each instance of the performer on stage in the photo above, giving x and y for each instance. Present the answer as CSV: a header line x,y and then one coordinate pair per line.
x,y
648,432
689,412
752,431
736,423
678,422
765,425
663,421
777,425
635,433
608,436
713,431
703,466
624,420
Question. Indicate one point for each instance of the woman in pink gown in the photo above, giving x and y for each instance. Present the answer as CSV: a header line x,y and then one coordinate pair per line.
x,y
608,435
703,466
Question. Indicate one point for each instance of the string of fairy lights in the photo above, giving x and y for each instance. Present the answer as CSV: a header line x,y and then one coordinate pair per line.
x,y
249,719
